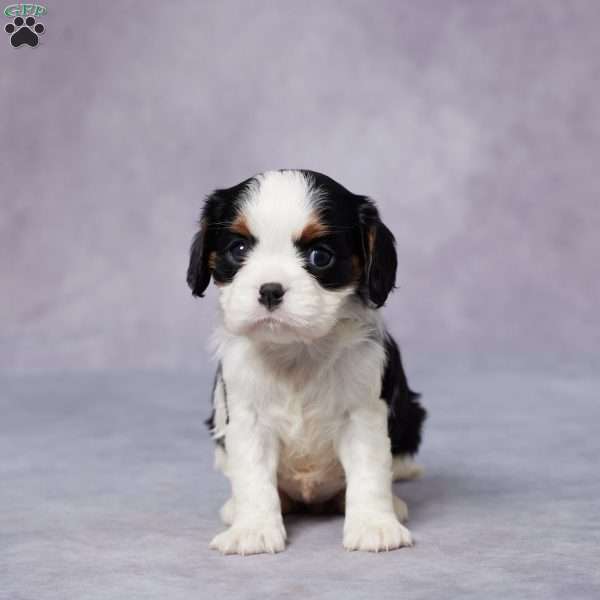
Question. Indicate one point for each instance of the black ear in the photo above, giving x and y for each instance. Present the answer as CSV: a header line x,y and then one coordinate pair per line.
x,y
198,273
219,210
380,259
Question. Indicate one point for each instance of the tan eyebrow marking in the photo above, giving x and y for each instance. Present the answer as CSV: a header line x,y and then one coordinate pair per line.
x,y
313,230
240,225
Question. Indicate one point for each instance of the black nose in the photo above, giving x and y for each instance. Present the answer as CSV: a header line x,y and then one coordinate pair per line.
x,y
271,294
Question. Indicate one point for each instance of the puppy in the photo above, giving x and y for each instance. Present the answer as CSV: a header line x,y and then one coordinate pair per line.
x,y
311,405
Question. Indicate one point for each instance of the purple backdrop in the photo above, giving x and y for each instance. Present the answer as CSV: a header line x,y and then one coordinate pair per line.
x,y
475,125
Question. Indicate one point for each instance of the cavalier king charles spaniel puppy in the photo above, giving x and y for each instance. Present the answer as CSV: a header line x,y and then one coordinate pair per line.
x,y
311,407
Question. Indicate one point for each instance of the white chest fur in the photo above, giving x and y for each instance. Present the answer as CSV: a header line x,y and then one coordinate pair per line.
x,y
303,394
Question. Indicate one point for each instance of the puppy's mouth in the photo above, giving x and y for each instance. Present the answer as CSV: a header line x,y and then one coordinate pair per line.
x,y
270,323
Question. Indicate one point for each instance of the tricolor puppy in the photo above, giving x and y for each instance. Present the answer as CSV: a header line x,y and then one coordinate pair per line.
x,y
310,404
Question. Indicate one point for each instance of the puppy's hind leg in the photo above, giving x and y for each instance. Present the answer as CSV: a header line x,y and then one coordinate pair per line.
x,y
400,509
404,468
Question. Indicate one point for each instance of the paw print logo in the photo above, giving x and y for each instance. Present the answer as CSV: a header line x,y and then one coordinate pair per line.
x,y
24,31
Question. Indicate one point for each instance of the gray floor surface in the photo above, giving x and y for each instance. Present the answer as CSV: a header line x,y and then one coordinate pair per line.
x,y
107,491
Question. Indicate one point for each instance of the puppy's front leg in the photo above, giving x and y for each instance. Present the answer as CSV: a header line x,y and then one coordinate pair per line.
x,y
252,455
364,451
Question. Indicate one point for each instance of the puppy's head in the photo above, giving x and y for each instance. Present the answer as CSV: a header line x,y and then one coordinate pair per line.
x,y
286,249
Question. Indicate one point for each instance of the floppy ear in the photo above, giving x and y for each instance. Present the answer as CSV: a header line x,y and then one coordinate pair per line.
x,y
198,273
217,211
380,259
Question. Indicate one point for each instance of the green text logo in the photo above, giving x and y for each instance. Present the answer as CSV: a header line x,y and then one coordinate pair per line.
x,y
25,10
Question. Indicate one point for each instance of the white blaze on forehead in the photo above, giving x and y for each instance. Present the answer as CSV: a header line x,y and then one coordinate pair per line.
x,y
276,208
279,207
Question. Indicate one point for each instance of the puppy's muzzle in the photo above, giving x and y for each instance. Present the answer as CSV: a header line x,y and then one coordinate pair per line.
x,y
271,295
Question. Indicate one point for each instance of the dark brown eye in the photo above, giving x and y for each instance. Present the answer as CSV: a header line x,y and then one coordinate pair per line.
x,y
238,250
320,258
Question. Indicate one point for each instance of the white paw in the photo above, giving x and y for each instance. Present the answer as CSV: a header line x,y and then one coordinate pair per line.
x,y
400,509
404,468
227,512
375,532
268,536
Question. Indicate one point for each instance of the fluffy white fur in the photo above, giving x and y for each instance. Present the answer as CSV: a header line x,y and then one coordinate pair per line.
x,y
303,391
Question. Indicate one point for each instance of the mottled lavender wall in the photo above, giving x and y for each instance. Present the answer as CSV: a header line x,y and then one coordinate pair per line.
x,y
475,125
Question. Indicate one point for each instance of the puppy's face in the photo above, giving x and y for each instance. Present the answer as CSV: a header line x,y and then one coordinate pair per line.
x,y
286,249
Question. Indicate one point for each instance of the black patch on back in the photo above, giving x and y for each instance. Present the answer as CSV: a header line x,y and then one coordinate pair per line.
x,y
406,415
210,422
